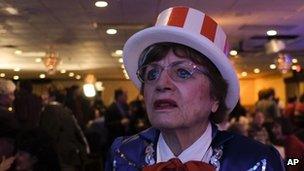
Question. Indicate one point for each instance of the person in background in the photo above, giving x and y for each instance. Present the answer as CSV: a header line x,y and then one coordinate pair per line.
x,y
267,104
257,128
238,111
289,144
66,135
189,85
117,115
35,152
138,117
7,97
97,131
27,106
290,107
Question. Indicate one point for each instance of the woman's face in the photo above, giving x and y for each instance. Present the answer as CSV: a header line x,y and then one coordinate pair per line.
x,y
174,105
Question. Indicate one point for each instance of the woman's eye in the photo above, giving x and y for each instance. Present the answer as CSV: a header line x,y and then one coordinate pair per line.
x,y
152,74
183,73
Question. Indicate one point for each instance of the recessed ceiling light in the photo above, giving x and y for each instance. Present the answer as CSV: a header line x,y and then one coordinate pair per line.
x,y
38,60
62,71
233,52
120,60
101,4
122,66
78,77
256,70
272,66
294,60
118,52
124,71
16,77
17,69
2,75
244,74
71,74
11,10
42,76
271,32
18,52
111,31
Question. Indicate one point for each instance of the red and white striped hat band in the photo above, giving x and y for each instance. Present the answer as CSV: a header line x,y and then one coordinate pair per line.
x,y
194,21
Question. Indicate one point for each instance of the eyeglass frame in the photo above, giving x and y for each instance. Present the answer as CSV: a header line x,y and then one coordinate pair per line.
x,y
195,68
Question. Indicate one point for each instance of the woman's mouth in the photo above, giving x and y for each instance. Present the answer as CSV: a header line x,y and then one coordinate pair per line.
x,y
162,104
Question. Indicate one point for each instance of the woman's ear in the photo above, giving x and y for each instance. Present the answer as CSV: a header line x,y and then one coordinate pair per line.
x,y
215,106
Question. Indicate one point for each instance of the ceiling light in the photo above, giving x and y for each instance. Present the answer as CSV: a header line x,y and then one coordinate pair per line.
x,y
11,10
294,60
78,77
271,33
42,76
16,77
17,69
233,52
294,67
71,74
272,66
101,4
122,66
18,52
2,75
120,60
62,71
38,60
256,70
118,52
111,31
124,71
89,90
244,74
98,86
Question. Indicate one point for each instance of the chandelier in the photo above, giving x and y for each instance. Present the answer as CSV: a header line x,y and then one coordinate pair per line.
x,y
284,62
51,61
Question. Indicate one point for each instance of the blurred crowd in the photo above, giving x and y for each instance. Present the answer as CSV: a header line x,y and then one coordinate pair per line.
x,y
64,130
270,123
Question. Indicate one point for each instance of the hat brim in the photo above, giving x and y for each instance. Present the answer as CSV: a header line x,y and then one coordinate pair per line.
x,y
142,39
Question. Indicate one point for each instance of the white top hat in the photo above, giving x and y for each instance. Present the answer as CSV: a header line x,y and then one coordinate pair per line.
x,y
188,27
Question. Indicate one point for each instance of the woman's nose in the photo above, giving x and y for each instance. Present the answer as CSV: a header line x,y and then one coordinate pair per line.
x,y
164,82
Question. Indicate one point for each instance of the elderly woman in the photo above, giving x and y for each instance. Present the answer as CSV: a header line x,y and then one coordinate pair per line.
x,y
189,86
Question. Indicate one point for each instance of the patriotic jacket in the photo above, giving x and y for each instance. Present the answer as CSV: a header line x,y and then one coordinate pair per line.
x,y
231,152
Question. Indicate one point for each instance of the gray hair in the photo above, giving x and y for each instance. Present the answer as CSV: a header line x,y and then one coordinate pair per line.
x,y
6,86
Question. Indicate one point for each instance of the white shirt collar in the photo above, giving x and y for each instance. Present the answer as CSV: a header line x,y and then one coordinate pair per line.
x,y
198,151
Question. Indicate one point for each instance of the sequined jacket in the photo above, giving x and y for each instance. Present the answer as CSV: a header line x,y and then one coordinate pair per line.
x,y
231,152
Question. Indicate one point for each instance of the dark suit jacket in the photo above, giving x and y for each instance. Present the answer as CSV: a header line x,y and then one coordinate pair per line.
x,y
113,119
239,153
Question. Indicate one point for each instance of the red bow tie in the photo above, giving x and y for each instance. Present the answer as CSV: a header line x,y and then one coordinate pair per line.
x,y
175,164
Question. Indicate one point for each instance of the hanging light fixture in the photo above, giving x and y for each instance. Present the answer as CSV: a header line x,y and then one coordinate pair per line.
x,y
283,62
51,61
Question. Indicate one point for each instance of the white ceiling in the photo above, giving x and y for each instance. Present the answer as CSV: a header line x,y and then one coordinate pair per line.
x,y
76,29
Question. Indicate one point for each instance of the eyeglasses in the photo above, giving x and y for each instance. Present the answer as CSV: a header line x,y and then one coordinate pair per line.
x,y
179,71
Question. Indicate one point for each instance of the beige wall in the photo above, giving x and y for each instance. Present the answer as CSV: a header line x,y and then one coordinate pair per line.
x,y
249,89
110,86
